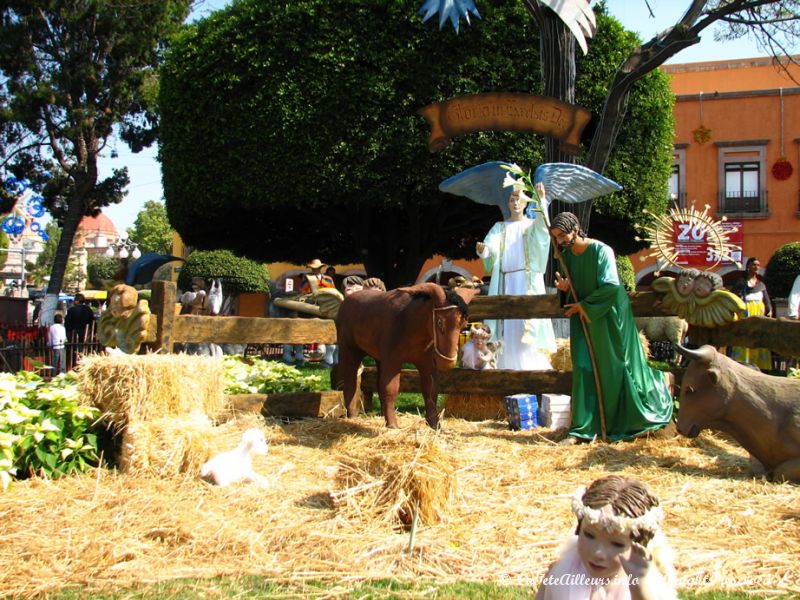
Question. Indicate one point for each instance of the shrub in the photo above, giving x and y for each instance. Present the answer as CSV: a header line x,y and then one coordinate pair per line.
x,y
627,276
236,274
257,376
782,268
44,429
100,269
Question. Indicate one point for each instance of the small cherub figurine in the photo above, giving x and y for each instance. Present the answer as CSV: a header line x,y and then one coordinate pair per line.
x,y
479,353
123,325
618,550
697,297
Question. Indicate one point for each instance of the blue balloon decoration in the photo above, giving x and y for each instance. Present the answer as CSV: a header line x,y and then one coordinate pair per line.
x,y
13,225
35,209
35,227
44,236
11,185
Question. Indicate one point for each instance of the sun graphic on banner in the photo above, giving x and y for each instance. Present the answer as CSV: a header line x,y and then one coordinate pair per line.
x,y
689,225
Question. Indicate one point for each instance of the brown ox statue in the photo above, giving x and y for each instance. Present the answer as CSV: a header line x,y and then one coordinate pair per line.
x,y
761,412
418,324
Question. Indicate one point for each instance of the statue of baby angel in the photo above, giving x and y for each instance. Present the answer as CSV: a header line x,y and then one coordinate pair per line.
x,y
479,353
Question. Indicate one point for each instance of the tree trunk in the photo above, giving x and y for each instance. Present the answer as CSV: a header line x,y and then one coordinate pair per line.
x,y
72,219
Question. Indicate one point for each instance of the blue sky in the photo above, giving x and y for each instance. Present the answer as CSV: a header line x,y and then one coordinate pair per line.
x,y
145,173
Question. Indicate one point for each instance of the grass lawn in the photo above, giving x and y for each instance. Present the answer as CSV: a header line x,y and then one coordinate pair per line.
x,y
257,587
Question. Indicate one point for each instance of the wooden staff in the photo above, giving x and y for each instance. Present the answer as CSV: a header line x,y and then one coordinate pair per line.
x,y
583,319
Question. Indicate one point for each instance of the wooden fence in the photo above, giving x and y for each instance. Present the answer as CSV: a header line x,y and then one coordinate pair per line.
x,y
167,329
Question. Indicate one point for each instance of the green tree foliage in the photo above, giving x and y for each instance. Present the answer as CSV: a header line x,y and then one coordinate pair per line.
x,y
236,274
4,243
72,71
782,268
310,144
152,230
627,275
100,270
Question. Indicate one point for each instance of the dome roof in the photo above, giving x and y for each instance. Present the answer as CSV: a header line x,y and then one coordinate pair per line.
x,y
99,224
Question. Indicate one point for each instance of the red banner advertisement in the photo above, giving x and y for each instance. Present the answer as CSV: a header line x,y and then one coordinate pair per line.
x,y
694,250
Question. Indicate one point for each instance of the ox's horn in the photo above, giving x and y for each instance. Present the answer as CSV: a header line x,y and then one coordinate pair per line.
x,y
704,353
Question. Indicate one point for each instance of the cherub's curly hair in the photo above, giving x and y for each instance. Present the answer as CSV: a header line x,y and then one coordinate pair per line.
x,y
626,496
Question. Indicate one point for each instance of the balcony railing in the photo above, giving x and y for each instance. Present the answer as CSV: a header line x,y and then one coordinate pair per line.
x,y
677,201
747,202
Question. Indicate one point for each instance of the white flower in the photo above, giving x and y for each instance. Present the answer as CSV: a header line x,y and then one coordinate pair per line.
x,y
517,184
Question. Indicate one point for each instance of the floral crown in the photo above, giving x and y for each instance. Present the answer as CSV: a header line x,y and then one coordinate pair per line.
x,y
605,517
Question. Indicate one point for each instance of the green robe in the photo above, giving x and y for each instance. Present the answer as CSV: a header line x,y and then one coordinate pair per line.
x,y
635,397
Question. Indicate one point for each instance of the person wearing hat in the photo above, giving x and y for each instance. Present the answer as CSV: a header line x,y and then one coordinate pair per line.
x,y
315,280
311,283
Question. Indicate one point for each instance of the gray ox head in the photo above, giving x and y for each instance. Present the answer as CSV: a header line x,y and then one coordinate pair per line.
x,y
704,390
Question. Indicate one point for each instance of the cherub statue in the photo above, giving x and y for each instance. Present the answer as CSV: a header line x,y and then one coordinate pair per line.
x,y
698,297
123,326
479,353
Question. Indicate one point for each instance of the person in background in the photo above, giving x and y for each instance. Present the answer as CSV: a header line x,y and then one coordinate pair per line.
x,y
794,299
79,320
753,292
79,324
56,339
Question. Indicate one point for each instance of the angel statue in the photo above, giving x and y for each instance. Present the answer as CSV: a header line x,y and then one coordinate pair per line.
x,y
516,249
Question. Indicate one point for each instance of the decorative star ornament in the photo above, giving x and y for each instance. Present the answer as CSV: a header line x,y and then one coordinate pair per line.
x,y
449,9
576,14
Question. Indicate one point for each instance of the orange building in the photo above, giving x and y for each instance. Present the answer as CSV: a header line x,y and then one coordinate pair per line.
x,y
737,149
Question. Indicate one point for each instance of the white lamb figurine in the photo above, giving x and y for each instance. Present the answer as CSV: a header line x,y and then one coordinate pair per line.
x,y
237,465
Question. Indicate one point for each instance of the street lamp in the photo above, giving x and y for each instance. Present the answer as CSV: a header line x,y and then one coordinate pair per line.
x,y
123,248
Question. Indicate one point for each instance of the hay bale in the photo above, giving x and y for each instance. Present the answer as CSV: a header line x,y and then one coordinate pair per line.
x,y
403,473
167,447
475,407
561,359
136,388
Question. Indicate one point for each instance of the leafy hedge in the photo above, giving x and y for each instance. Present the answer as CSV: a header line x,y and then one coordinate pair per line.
x,y
627,276
237,274
782,268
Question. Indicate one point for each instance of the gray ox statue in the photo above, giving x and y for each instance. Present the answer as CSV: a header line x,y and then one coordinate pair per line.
x,y
761,412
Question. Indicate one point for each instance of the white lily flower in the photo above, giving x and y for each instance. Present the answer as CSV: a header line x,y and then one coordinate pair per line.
x,y
517,184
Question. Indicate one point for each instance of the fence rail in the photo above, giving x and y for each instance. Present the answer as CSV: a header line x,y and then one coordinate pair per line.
x,y
167,329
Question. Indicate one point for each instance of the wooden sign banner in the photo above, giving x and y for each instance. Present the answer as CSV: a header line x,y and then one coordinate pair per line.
x,y
505,112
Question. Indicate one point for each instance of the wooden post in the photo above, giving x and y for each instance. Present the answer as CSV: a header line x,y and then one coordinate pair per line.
x,y
162,305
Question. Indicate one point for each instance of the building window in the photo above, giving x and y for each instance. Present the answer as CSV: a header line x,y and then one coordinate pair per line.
x,y
742,186
677,179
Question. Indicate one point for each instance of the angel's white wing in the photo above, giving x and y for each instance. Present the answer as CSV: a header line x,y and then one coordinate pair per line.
x,y
573,183
577,16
